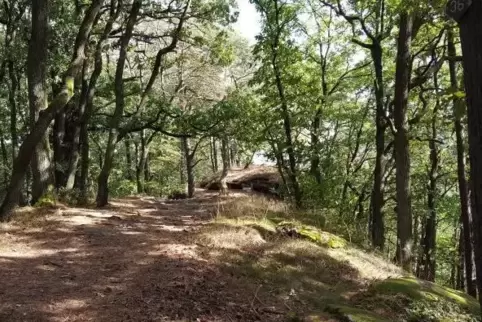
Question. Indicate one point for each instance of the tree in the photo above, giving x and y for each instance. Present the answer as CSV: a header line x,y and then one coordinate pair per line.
x,y
378,32
37,66
402,152
27,148
103,190
461,172
278,15
471,39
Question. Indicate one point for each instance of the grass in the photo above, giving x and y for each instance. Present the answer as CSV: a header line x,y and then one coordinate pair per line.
x,y
308,272
428,292
320,271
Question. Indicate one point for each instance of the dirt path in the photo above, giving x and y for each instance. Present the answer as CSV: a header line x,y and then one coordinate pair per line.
x,y
135,261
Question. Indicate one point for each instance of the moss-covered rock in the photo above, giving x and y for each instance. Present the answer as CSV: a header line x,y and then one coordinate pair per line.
x,y
415,300
322,238
423,290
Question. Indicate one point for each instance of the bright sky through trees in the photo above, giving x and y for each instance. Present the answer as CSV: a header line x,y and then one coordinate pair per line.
x,y
248,21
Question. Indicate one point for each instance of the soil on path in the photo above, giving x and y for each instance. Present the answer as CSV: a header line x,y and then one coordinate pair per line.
x,y
136,260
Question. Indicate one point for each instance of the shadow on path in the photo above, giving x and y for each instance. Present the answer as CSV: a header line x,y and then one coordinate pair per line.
x,y
136,260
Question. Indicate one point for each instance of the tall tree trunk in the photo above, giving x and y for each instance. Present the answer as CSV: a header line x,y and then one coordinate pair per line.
x,y
471,38
458,106
14,83
235,154
75,130
84,162
223,186
430,234
377,199
3,148
36,70
127,146
59,148
402,150
182,162
460,262
147,168
103,179
189,163
141,166
26,151
212,155
315,147
84,134
280,164
416,239
215,156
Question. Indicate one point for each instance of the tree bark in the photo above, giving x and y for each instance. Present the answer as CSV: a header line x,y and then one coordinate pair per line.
x,y
127,145
142,164
189,163
429,241
147,168
471,38
103,179
223,186
461,176
460,260
182,162
377,201
26,151
36,70
75,130
402,150
14,83
214,158
59,148
430,233
3,148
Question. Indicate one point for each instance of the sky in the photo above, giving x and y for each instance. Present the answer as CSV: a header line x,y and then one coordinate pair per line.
x,y
248,24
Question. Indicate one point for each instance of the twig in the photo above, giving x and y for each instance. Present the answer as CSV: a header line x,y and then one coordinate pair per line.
x,y
252,303
287,306
256,296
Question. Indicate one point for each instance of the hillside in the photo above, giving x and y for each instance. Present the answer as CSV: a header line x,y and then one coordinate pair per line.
x,y
240,258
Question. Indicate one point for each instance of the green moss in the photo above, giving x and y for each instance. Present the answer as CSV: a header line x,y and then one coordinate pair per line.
x,y
429,301
423,290
346,313
317,236
49,199
70,84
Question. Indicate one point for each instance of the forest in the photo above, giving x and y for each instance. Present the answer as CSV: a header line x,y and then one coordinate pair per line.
x,y
366,115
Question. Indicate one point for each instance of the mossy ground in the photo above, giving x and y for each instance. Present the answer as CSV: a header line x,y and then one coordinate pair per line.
x,y
418,300
317,271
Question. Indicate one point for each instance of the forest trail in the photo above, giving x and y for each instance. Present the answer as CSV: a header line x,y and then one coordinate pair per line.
x,y
134,261
208,259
